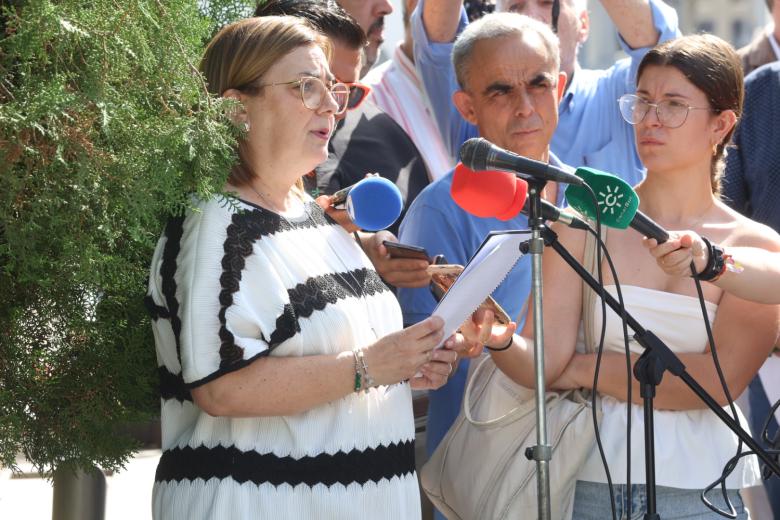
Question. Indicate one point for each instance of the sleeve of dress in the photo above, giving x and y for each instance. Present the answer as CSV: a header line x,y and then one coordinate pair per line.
x,y
232,304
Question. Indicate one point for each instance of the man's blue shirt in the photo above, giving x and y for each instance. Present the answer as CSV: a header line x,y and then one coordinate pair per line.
x,y
590,130
439,225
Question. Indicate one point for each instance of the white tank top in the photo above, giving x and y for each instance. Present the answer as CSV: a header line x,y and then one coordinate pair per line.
x,y
691,447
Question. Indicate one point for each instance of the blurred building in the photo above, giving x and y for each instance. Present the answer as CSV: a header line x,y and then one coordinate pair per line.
x,y
736,21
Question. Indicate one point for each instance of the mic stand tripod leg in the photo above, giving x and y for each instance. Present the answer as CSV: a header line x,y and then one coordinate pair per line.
x,y
649,371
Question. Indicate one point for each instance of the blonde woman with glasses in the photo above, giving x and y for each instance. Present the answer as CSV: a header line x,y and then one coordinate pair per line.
x,y
285,374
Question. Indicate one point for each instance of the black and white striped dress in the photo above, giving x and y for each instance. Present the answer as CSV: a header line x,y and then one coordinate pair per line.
x,y
229,285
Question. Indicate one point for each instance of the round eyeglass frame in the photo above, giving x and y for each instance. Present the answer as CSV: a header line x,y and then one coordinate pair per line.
x,y
335,90
629,101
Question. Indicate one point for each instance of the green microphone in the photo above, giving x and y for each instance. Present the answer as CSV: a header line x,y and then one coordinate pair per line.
x,y
618,203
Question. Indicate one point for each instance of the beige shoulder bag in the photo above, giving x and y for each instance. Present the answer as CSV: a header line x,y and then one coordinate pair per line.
x,y
480,471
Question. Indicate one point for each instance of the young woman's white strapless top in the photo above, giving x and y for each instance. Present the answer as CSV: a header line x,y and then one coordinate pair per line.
x,y
691,447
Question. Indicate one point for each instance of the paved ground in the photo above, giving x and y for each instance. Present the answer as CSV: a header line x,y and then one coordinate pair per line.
x,y
128,493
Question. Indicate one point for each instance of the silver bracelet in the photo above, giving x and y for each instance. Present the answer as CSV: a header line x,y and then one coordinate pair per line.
x,y
369,381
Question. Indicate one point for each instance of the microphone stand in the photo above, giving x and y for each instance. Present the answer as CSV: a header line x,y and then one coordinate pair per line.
x,y
648,370
542,452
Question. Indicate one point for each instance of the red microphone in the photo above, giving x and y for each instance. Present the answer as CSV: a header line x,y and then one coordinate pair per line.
x,y
488,193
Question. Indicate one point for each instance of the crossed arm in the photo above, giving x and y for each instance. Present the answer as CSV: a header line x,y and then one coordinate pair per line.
x,y
744,334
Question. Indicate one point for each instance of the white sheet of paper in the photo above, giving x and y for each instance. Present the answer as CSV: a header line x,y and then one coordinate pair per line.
x,y
770,380
484,272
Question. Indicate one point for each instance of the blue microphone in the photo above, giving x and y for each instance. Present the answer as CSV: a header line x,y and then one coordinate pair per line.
x,y
372,204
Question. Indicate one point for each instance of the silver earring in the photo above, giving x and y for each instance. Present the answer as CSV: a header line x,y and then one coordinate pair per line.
x,y
247,126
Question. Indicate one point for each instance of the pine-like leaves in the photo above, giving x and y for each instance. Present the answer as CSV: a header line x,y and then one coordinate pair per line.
x,y
105,129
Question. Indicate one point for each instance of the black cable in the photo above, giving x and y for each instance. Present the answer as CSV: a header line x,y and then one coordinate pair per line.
x,y
732,463
629,378
772,444
600,350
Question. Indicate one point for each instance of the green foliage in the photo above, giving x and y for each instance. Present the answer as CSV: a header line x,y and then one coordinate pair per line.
x,y
105,129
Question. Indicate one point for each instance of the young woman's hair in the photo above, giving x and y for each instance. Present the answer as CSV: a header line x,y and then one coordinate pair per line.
x,y
241,54
714,67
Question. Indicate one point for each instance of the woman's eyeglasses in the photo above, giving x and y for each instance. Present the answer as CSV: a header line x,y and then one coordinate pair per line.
x,y
313,92
670,113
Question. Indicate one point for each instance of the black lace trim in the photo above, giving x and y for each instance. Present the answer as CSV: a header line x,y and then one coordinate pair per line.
x,y
173,232
316,293
370,465
232,368
154,310
172,385
246,228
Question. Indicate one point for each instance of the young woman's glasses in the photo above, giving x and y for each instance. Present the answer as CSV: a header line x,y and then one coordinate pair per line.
x,y
670,113
313,92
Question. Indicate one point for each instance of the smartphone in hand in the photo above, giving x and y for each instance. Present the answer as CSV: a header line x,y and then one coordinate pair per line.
x,y
396,250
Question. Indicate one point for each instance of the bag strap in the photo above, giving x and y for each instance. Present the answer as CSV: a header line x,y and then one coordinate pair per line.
x,y
589,296
487,364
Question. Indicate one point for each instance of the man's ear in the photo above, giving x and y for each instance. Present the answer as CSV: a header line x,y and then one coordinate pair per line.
x,y
561,85
465,105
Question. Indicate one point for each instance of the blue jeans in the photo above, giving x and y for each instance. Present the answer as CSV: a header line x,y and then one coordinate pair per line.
x,y
591,502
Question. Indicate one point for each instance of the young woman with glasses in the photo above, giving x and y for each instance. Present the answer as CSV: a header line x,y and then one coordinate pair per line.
x,y
285,373
688,98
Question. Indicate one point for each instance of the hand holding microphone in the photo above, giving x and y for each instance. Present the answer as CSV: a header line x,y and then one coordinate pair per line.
x,y
372,204
674,256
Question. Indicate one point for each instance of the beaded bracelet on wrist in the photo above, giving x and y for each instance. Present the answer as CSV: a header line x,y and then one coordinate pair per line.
x,y
716,263
358,376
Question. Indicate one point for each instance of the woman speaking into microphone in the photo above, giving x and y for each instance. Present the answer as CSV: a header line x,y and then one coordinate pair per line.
x,y
285,372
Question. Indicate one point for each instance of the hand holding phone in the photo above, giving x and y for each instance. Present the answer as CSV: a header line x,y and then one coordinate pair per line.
x,y
396,250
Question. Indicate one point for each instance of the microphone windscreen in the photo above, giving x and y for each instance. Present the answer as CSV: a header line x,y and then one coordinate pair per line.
x,y
374,203
488,194
617,200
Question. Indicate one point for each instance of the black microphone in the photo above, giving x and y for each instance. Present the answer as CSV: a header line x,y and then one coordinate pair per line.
x,y
480,154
